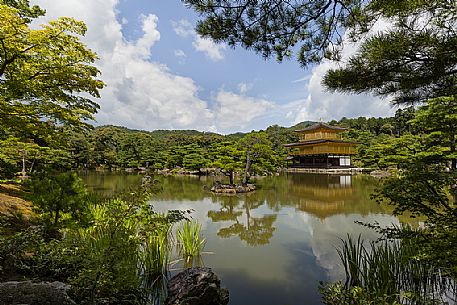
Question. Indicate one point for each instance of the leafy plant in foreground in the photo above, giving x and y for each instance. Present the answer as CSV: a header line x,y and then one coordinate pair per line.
x,y
190,241
388,272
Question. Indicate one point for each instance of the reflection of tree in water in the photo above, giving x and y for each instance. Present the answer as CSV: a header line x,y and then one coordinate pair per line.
x,y
253,230
257,232
227,211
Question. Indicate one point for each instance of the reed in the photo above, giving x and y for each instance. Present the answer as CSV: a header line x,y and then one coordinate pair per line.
x,y
127,249
191,243
155,249
153,267
391,269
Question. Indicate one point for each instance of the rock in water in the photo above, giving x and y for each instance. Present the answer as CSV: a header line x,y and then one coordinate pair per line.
x,y
196,286
29,293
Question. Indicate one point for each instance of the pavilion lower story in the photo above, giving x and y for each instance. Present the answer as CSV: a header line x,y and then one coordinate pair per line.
x,y
320,161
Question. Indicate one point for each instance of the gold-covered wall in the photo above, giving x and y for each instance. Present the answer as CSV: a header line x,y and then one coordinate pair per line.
x,y
324,148
319,135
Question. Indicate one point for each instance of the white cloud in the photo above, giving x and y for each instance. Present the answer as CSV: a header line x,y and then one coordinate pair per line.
x,y
244,87
184,29
239,110
323,105
144,94
180,53
140,93
207,46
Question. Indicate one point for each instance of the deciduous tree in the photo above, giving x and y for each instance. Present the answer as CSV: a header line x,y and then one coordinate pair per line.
x,y
47,77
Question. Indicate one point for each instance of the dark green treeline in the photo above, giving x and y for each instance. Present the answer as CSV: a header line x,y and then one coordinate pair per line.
x,y
113,147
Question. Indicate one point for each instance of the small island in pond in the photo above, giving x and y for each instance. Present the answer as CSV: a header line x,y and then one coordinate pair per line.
x,y
220,188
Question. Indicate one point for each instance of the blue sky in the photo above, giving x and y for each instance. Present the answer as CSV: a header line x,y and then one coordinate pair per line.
x,y
161,75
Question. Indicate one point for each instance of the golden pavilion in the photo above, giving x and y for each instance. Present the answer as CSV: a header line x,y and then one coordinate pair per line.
x,y
320,146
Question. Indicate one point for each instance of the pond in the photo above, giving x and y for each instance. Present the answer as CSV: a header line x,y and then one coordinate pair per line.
x,y
272,246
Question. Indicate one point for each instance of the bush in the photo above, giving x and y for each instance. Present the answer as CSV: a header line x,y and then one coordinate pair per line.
x,y
62,196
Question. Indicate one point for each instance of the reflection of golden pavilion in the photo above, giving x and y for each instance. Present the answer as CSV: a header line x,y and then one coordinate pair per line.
x,y
320,195
319,209
320,145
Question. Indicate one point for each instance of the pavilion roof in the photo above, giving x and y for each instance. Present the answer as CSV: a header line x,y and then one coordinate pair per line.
x,y
317,142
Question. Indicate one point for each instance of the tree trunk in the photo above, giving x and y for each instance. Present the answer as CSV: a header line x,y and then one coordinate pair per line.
x,y
453,168
247,168
248,215
23,173
231,176
56,219
453,161
31,166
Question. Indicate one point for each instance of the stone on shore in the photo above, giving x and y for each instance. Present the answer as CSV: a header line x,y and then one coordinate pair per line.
x,y
196,286
30,293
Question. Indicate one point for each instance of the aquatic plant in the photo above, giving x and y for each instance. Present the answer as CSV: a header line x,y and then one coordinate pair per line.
x,y
109,248
389,271
191,243
127,250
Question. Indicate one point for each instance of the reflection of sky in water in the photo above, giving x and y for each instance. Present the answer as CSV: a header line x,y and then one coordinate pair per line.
x,y
275,245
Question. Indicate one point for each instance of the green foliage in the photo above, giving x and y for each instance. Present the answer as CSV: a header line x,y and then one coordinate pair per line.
x,y
47,83
259,156
387,273
24,9
437,120
195,157
117,147
191,243
227,157
194,161
412,62
311,29
337,293
124,251
425,186
387,152
35,66
426,191
25,156
57,195
122,256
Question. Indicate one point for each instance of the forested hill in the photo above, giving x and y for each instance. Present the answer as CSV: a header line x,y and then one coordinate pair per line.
x,y
119,147
166,135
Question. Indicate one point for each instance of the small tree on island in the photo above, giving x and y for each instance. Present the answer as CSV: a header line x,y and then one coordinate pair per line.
x,y
258,154
227,157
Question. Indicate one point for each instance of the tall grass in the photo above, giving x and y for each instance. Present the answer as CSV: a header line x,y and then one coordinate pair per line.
x,y
191,243
127,249
153,266
155,251
110,256
391,269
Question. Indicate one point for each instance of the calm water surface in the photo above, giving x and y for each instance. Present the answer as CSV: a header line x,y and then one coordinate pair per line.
x,y
273,246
